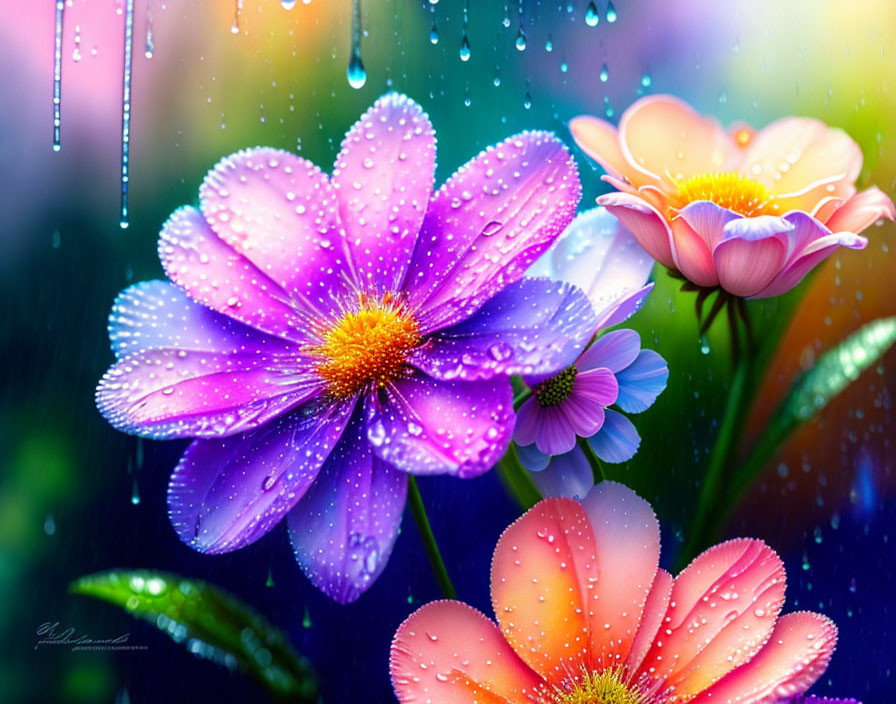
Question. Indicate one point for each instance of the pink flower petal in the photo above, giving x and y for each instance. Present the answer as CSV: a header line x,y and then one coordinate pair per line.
x,y
544,585
280,212
861,211
600,140
801,161
692,256
488,223
645,223
664,138
654,612
383,180
555,433
722,610
627,550
216,275
585,415
597,386
746,267
796,655
448,653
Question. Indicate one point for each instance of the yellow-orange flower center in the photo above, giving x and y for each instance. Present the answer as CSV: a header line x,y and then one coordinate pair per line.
x,y
605,687
728,190
366,348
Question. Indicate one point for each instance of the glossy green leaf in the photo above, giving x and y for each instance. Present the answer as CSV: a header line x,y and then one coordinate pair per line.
x,y
209,623
814,389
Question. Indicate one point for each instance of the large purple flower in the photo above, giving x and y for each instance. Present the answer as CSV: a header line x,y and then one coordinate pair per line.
x,y
323,336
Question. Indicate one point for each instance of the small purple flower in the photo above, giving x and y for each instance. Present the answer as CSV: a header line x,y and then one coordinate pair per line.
x,y
322,336
599,255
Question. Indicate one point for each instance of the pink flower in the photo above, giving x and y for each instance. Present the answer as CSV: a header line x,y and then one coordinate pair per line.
x,y
584,614
750,212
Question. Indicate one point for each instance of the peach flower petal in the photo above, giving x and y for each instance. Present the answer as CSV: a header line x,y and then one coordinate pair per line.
x,y
692,257
722,610
600,140
861,211
627,545
544,577
665,139
802,160
644,222
651,619
796,655
448,653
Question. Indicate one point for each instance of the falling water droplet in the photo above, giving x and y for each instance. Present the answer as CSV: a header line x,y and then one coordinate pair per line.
x,y
434,32
135,493
611,12
608,109
464,49
704,345
57,76
126,109
76,52
497,80
604,73
150,41
269,582
467,99
521,40
465,42
357,76
306,619
564,67
646,80
591,16
288,4
237,6
527,102
549,44
50,524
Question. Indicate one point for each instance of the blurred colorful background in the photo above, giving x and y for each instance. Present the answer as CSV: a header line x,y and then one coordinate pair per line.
x,y
213,76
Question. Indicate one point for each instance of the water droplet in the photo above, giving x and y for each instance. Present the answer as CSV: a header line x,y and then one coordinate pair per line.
x,y
50,524
135,493
646,80
237,7
564,67
57,75
704,345
434,33
464,49
521,40
549,44
306,619
356,74
126,110
591,16
269,582
150,45
611,12
288,4
604,73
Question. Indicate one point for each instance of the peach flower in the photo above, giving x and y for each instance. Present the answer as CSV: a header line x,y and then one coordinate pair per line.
x,y
585,615
749,211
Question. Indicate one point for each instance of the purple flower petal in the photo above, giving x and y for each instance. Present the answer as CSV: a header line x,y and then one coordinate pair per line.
x,y
383,181
280,212
215,275
170,393
757,228
226,493
531,458
617,440
554,433
567,475
488,223
641,382
598,387
527,422
157,314
708,220
585,416
425,426
614,351
343,529
600,256
532,327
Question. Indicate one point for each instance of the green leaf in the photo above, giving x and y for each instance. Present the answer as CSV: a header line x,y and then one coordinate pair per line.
x,y
814,389
210,623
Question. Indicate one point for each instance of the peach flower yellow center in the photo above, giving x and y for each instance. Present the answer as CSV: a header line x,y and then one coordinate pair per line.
x,y
607,687
366,347
727,190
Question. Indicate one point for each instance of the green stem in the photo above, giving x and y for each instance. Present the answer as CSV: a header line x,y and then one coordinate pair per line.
x,y
521,398
429,540
597,469
517,480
